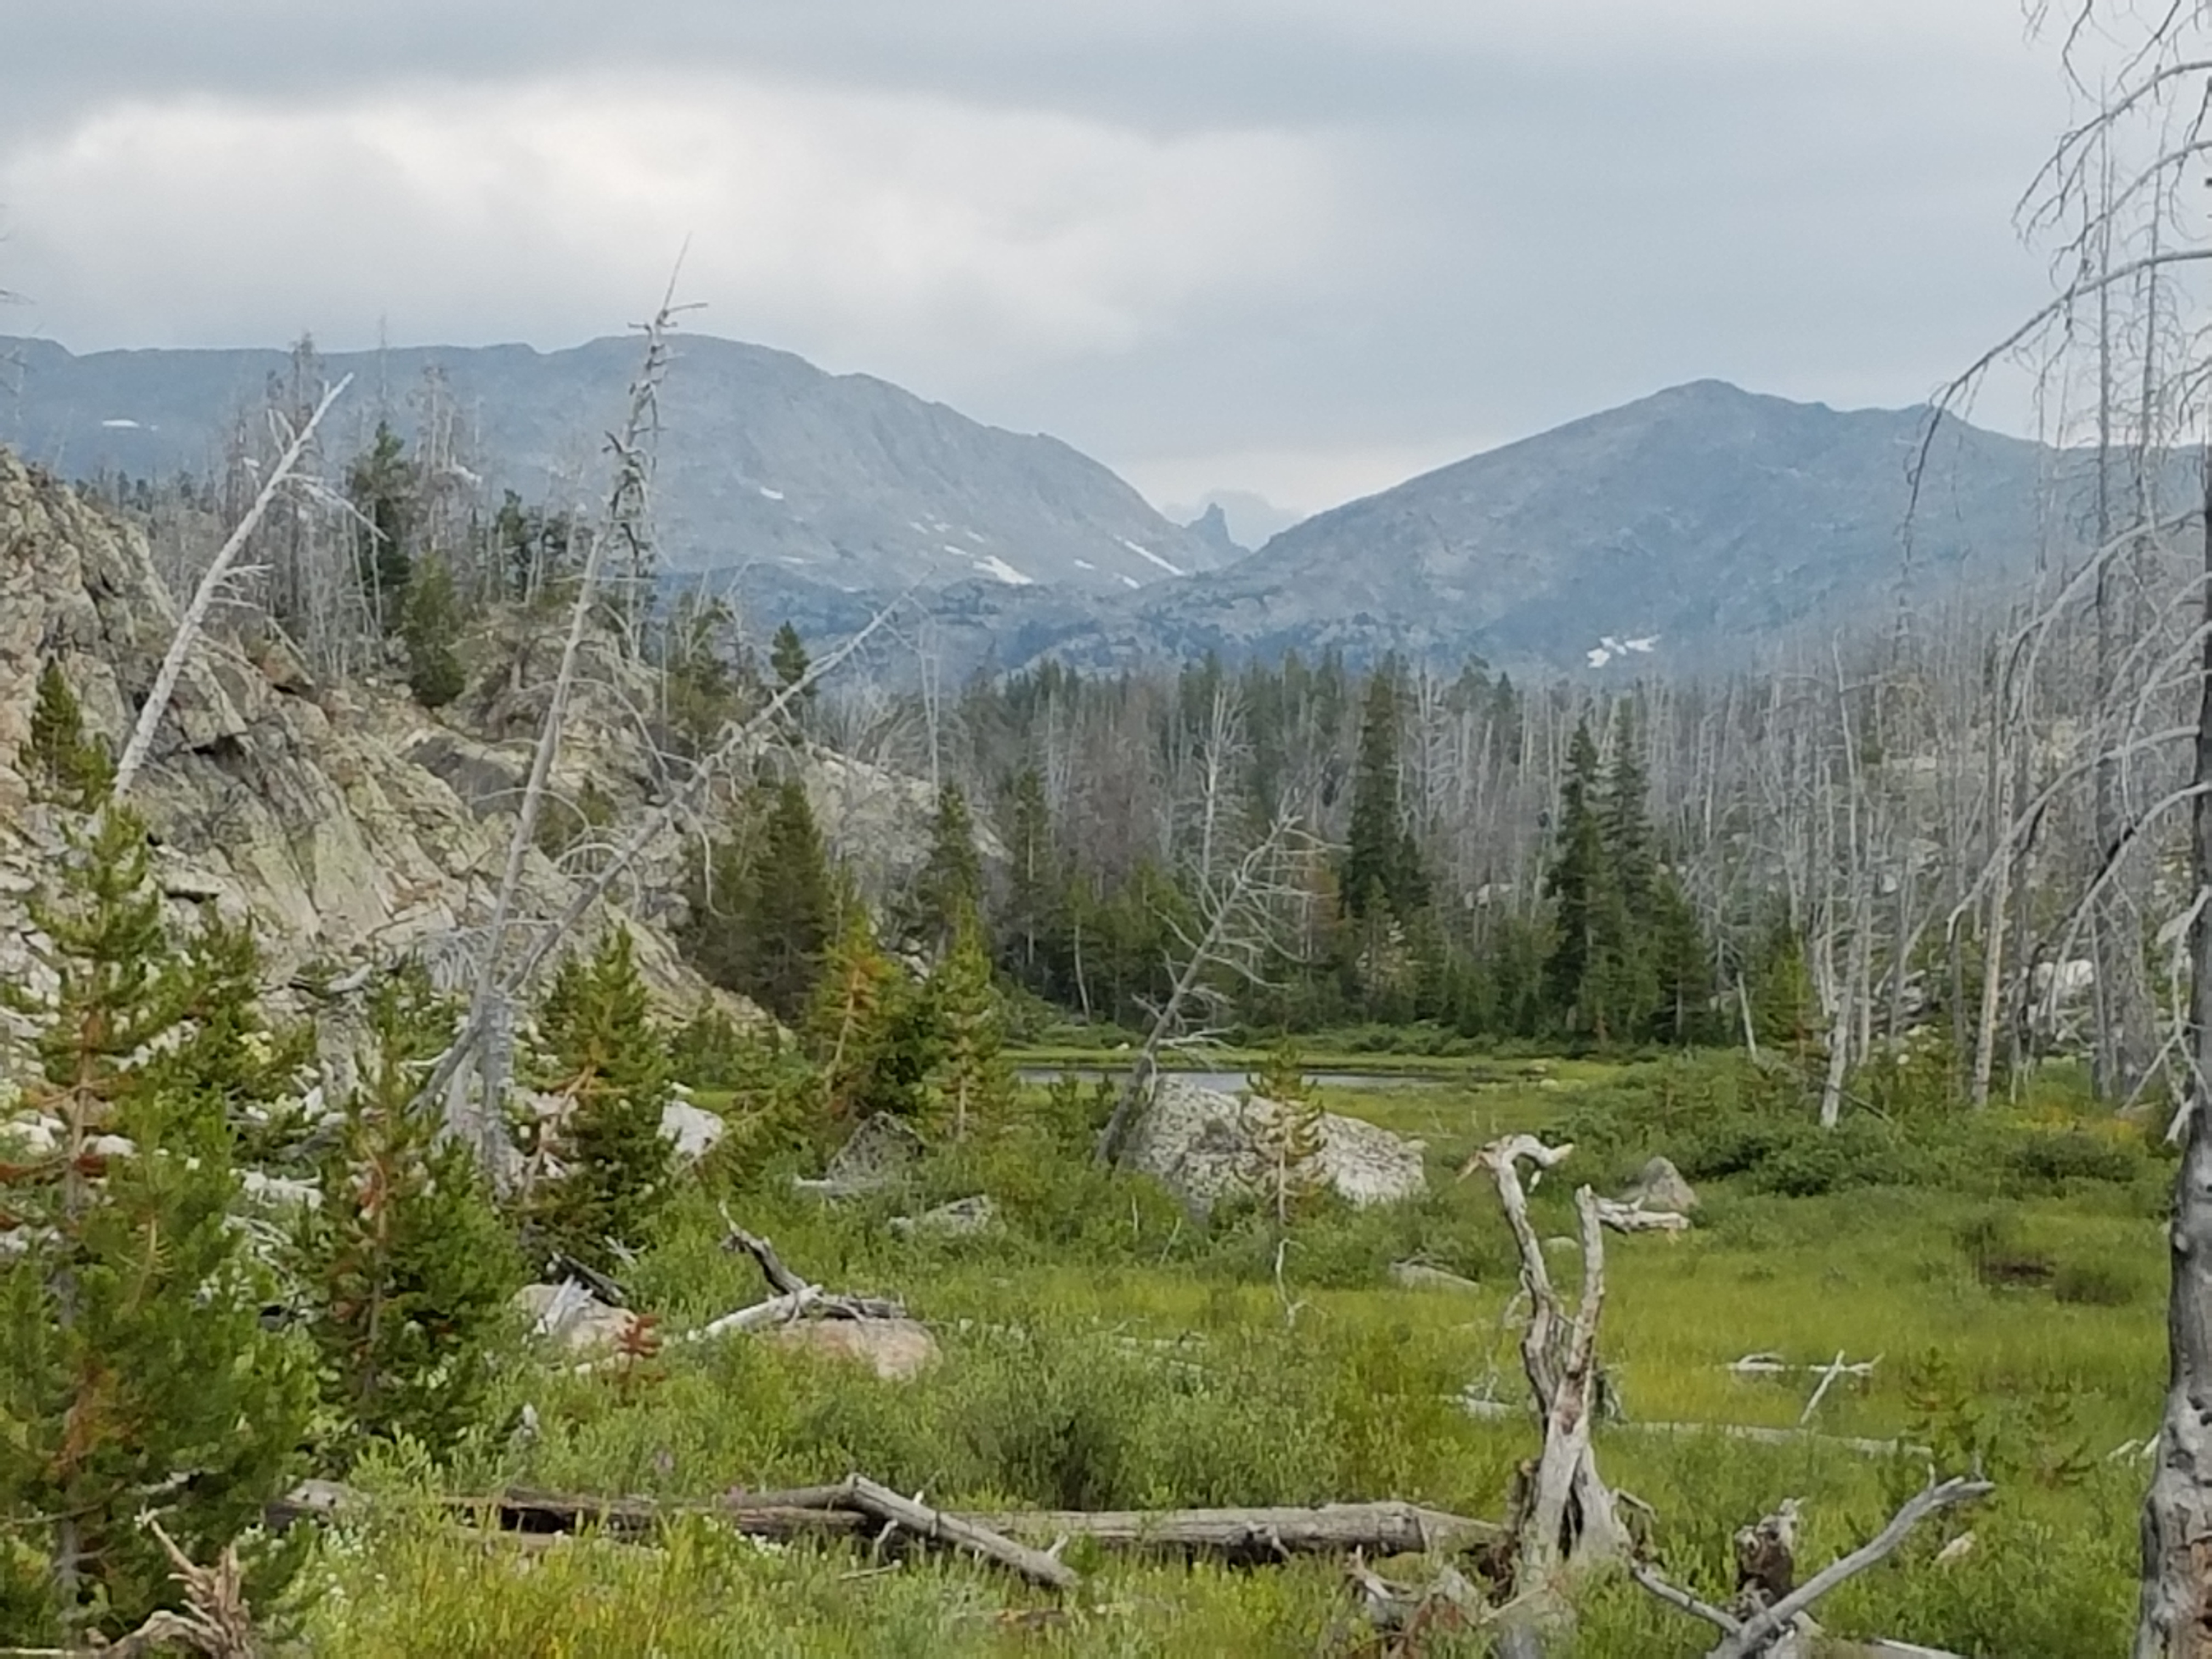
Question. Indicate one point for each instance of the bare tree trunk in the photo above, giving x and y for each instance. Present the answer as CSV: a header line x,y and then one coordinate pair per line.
x,y
2175,1618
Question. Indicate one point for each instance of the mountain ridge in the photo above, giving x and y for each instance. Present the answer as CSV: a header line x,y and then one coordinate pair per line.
x,y
763,458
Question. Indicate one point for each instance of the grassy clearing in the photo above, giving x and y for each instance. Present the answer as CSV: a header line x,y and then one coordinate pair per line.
x,y
1100,1350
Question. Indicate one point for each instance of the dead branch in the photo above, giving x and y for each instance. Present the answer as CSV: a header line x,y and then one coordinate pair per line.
x,y
216,1623
1766,1627
912,1516
789,1286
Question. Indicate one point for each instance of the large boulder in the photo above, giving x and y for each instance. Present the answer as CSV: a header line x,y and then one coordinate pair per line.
x,y
572,1318
1205,1145
896,1350
1659,1186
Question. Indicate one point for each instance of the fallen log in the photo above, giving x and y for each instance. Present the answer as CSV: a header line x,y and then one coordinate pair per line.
x,y
1634,1217
1247,1537
1255,1536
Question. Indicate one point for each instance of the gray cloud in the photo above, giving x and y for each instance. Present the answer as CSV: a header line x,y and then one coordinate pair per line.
x,y
1291,246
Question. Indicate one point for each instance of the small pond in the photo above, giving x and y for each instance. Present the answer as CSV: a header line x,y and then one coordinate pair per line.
x,y
1231,1082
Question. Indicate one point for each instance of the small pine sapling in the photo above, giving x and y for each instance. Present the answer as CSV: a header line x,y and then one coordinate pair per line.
x,y
408,1265
607,1058
62,764
136,1376
971,1080
869,1033
1287,1140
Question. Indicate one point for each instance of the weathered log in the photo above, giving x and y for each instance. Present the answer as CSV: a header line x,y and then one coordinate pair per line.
x,y
1238,1536
1634,1217
1258,1535
1772,1436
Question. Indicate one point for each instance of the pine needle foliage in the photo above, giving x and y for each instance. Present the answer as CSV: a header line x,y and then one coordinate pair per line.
x,y
869,1032
604,1052
1286,1141
408,1265
136,1377
62,764
971,1082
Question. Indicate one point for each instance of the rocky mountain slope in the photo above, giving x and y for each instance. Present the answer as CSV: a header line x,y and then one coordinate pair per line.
x,y
1684,529
841,484
345,823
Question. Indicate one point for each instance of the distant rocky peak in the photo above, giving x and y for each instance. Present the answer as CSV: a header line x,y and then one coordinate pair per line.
x,y
1212,527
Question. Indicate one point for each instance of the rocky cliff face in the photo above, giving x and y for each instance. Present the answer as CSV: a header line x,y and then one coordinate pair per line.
x,y
328,815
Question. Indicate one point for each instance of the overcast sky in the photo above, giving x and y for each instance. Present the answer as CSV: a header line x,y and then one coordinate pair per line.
x,y
1299,247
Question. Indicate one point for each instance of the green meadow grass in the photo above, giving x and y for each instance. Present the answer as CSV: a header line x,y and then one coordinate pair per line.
x,y
1100,1350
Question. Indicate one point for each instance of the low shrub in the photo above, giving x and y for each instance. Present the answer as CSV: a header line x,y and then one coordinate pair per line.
x,y
2093,1284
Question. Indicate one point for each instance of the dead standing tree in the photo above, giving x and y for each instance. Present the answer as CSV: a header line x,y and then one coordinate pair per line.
x,y
1563,1517
2119,176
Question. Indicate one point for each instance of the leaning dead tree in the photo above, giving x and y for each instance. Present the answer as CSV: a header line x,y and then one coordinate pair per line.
x,y
218,575
1241,891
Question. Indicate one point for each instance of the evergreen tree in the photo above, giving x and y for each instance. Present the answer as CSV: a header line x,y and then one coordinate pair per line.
x,y
971,1080
1285,1142
760,907
1576,881
872,1036
430,624
605,1055
1382,864
59,762
385,487
950,885
1681,965
408,1265
785,919
135,1373
789,661
1621,993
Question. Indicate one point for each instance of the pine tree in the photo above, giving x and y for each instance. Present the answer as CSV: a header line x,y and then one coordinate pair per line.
x,y
605,1055
408,1265
868,1031
430,623
1681,965
135,1373
386,487
784,917
1382,864
59,762
789,661
1576,883
1625,997
971,1080
949,887
1285,1142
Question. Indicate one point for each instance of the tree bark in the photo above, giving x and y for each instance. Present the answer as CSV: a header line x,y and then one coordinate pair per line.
x,y
2174,1621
